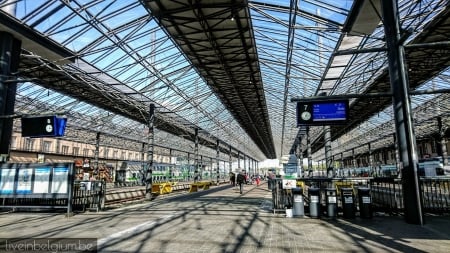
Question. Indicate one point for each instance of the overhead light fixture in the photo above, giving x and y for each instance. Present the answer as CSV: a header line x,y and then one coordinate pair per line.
x,y
232,14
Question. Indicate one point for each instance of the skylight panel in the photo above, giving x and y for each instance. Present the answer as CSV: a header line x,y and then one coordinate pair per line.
x,y
117,13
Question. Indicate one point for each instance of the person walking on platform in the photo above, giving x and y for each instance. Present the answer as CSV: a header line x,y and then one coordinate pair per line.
x,y
241,181
232,179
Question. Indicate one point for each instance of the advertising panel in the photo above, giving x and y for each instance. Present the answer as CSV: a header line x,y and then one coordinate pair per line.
x,y
7,181
24,181
41,180
60,180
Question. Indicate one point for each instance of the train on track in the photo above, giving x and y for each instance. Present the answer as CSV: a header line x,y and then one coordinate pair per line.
x,y
133,172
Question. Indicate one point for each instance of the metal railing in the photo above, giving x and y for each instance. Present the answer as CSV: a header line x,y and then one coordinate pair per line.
x,y
436,194
386,193
88,195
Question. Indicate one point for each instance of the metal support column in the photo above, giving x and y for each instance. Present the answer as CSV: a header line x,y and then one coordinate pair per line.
x,y
308,151
442,151
196,163
171,171
230,159
328,154
143,162
96,154
244,162
211,170
217,161
201,168
300,157
402,114
354,162
372,168
9,61
396,152
239,160
151,141
189,166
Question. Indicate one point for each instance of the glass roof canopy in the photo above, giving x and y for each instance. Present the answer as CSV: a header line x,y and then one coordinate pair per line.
x,y
120,50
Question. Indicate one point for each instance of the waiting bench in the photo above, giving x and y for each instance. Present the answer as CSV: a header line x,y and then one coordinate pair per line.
x,y
200,186
162,188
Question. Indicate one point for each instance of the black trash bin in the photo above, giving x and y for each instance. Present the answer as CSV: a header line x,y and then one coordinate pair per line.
x,y
331,202
364,202
299,205
314,202
348,203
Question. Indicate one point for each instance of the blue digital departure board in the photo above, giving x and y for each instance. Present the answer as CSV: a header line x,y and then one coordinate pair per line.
x,y
329,111
322,112
40,126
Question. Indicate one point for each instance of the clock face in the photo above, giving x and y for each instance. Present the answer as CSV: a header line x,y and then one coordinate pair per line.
x,y
306,115
49,128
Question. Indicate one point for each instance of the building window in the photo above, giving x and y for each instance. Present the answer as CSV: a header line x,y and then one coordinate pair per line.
x,y
29,143
86,152
65,150
75,151
106,153
122,156
115,154
47,146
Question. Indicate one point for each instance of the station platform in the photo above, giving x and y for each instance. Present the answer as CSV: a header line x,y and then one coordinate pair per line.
x,y
222,220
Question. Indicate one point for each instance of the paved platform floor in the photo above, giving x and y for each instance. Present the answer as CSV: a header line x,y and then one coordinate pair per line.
x,y
222,220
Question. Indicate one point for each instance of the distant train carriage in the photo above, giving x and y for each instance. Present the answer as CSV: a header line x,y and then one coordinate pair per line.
x,y
429,167
133,172
185,172
362,172
388,170
130,172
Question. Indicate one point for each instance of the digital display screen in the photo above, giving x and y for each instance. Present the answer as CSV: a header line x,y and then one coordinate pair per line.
x,y
322,112
329,111
51,126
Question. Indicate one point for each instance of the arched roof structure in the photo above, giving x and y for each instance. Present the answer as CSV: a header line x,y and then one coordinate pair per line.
x,y
228,68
